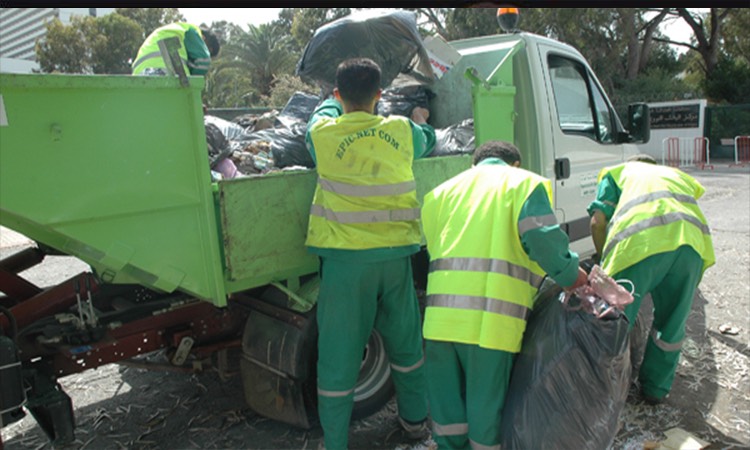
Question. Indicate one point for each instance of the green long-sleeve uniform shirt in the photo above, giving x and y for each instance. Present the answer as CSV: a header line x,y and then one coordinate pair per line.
x,y
548,245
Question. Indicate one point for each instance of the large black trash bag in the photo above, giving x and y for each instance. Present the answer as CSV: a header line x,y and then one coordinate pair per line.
x,y
299,108
570,381
390,39
401,100
288,147
455,140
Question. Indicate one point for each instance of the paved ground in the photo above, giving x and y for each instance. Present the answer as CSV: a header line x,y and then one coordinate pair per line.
x,y
123,407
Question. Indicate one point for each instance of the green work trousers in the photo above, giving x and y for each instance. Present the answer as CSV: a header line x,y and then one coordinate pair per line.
x,y
355,298
671,278
466,386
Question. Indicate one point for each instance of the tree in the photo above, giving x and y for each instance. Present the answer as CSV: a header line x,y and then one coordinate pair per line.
x,y
151,18
462,23
63,49
263,51
736,37
433,20
112,40
707,33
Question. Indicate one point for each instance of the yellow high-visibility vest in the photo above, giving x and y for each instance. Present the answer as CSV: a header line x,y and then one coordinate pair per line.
x,y
657,213
149,54
481,283
366,196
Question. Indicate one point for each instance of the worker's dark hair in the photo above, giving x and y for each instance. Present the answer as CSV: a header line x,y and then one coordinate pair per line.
x,y
642,157
497,149
212,42
358,80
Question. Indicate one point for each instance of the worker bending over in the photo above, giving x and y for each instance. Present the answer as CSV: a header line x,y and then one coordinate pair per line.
x,y
491,236
647,228
198,46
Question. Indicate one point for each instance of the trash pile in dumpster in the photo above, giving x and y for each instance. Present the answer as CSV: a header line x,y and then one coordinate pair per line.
x,y
273,141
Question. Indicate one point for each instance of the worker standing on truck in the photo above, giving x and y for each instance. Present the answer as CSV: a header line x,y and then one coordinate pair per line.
x,y
647,227
199,45
364,226
491,236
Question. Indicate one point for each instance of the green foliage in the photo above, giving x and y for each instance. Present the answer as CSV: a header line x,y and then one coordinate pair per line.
x,y
229,87
284,87
736,36
729,82
100,45
462,23
112,40
63,49
151,18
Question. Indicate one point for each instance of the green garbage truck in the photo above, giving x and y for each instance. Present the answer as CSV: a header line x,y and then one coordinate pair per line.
x,y
113,170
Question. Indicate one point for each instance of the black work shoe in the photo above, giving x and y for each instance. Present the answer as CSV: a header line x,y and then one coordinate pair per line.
x,y
414,431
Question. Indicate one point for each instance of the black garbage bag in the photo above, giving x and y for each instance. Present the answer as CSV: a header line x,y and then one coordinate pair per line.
x,y
299,108
570,381
455,139
217,144
401,100
390,39
288,147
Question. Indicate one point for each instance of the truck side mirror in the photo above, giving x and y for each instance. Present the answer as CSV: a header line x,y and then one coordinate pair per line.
x,y
639,123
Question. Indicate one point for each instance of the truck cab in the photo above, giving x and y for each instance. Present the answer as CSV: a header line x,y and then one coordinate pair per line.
x,y
541,95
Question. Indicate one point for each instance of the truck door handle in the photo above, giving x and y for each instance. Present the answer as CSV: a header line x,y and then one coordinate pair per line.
x,y
562,168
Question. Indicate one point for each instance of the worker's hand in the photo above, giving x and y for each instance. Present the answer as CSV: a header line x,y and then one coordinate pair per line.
x,y
420,115
582,279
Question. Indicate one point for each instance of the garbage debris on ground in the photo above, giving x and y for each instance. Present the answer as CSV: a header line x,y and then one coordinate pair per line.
x,y
390,39
570,380
677,439
729,329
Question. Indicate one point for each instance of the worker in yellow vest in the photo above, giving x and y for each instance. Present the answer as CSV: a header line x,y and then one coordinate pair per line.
x,y
647,228
364,226
491,236
199,45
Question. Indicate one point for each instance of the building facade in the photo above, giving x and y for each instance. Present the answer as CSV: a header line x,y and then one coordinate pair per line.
x,y
20,28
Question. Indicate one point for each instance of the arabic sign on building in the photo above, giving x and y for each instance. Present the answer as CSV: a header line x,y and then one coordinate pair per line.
x,y
678,116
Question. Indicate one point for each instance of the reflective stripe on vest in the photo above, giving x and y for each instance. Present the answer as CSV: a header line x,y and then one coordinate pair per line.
x,y
488,265
490,305
650,197
366,195
356,190
651,223
365,216
657,213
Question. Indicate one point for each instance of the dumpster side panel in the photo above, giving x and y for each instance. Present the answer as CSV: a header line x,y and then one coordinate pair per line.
x,y
264,220
113,170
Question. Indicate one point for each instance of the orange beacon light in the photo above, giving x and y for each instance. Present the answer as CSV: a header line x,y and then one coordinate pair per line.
x,y
507,18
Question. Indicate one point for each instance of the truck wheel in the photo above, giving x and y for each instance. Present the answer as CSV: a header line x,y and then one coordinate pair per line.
x,y
374,385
